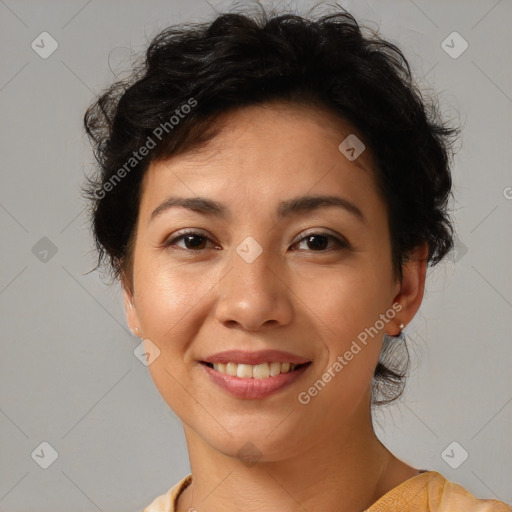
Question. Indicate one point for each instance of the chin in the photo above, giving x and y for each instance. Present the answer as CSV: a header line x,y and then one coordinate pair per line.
x,y
251,441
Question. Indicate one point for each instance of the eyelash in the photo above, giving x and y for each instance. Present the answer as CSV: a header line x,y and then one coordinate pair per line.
x,y
342,244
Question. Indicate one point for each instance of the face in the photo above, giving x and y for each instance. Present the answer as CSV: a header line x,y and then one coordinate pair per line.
x,y
260,271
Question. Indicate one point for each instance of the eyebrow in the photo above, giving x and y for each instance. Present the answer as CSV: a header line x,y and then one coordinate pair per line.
x,y
293,206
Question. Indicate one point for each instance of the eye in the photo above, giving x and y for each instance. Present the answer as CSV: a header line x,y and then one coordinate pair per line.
x,y
319,241
192,240
316,241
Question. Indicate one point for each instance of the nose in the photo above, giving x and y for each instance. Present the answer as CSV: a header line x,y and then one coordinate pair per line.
x,y
254,296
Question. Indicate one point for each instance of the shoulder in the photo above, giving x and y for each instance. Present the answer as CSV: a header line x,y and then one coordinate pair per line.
x,y
165,502
431,492
449,496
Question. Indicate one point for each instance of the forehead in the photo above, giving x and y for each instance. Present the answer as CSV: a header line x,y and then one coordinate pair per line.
x,y
267,150
308,129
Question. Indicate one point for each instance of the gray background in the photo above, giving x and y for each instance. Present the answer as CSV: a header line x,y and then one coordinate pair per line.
x,y
68,375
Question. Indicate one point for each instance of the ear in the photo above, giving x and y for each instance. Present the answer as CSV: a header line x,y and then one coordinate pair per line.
x,y
411,288
130,310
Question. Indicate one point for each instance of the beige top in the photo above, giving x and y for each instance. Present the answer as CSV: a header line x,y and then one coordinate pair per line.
x,y
426,492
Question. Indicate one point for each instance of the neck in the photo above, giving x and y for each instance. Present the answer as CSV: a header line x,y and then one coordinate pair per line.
x,y
348,469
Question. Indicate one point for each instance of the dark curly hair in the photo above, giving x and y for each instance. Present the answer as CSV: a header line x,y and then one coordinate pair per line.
x,y
191,74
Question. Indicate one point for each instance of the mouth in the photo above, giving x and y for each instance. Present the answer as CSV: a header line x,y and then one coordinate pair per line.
x,y
258,371
254,375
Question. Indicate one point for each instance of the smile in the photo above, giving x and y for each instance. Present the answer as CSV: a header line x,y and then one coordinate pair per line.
x,y
257,371
256,381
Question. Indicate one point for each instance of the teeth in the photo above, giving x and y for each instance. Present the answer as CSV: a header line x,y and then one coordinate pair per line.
x,y
230,368
257,371
275,369
261,371
244,371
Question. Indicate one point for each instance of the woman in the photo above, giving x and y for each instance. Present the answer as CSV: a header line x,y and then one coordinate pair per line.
x,y
271,192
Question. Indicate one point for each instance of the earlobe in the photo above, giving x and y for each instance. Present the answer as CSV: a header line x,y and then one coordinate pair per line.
x,y
412,287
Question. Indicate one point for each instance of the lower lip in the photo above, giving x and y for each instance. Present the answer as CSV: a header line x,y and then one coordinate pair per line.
x,y
254,388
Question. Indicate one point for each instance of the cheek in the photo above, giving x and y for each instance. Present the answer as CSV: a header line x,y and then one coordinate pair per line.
x,y
165,299
167,305
348,308
345,301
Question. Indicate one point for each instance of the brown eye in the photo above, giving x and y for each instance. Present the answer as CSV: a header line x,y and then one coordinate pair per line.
x,y
319,242
192,241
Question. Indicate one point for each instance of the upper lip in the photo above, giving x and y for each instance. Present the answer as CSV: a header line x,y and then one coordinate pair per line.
x,y
256,357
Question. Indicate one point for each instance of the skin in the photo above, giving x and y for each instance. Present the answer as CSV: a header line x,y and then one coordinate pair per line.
x,y
293,297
